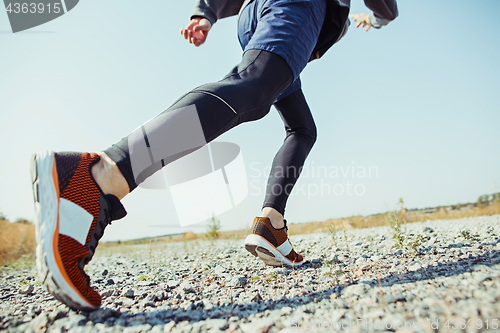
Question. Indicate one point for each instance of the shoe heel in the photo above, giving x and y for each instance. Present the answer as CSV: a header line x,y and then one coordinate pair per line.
x,y
251,248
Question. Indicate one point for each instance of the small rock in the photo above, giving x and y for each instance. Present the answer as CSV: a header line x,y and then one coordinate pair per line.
x,y
481,277
187,287
146,283
356,290
361,262
168,327
58,314
217,324
173,284
414,267
219,271
256,298
40,323
104,272
393,298
110,282
129,293
159,296
26,289
398,252
146,303
238,281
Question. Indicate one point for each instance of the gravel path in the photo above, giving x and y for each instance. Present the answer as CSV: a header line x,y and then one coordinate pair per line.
x,y
447,277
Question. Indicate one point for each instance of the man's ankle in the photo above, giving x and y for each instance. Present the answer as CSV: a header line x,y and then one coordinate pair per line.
x,y
274,216
109,178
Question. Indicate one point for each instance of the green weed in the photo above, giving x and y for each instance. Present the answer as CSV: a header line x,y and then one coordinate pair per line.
x,y
272,276
345,236
408,244
415,242
339,273
213,228
469,236
396,223
332,230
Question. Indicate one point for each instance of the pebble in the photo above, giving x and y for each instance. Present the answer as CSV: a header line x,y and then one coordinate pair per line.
x,y
129,293
393,298
187,287
414,267
26,289
173,283
238,281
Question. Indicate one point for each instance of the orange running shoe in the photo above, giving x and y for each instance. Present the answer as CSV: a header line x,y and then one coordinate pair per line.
x,y
272,245
71,214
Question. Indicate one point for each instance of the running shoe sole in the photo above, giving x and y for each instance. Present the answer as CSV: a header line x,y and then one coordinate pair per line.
x,y
48,261
261,248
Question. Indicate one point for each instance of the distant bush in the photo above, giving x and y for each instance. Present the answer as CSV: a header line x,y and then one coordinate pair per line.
x,y
483,200
189,236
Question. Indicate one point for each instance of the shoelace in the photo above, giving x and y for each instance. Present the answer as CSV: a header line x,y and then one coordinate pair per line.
x,y
95,236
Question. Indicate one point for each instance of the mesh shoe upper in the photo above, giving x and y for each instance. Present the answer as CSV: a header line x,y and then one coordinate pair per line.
x,y
276,237
77,185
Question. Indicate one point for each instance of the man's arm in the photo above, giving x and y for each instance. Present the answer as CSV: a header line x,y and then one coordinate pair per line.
x,y
384,11
206,13
214,10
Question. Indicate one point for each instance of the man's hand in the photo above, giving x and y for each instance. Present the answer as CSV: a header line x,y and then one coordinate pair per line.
x,y
362,19
197,30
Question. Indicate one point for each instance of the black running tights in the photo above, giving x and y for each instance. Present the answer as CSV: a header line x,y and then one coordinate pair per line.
x,y
245,94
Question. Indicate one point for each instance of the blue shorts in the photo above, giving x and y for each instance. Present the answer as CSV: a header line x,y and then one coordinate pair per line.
x,y
289,28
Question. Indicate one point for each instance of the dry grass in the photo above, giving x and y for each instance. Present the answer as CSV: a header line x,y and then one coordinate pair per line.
x,y
439,213
16,240
443,213
189,236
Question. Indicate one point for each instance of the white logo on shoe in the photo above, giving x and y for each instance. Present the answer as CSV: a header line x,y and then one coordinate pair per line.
x,y
74,221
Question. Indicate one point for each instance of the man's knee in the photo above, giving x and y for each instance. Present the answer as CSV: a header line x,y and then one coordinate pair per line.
x,y
306,133
312,134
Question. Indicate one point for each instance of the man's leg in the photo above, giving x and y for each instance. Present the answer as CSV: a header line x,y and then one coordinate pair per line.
x,y
245,94
268,239
290,29
288,162
77,194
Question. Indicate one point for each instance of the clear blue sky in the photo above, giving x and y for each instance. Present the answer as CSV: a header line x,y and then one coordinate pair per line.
x,y
418,100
